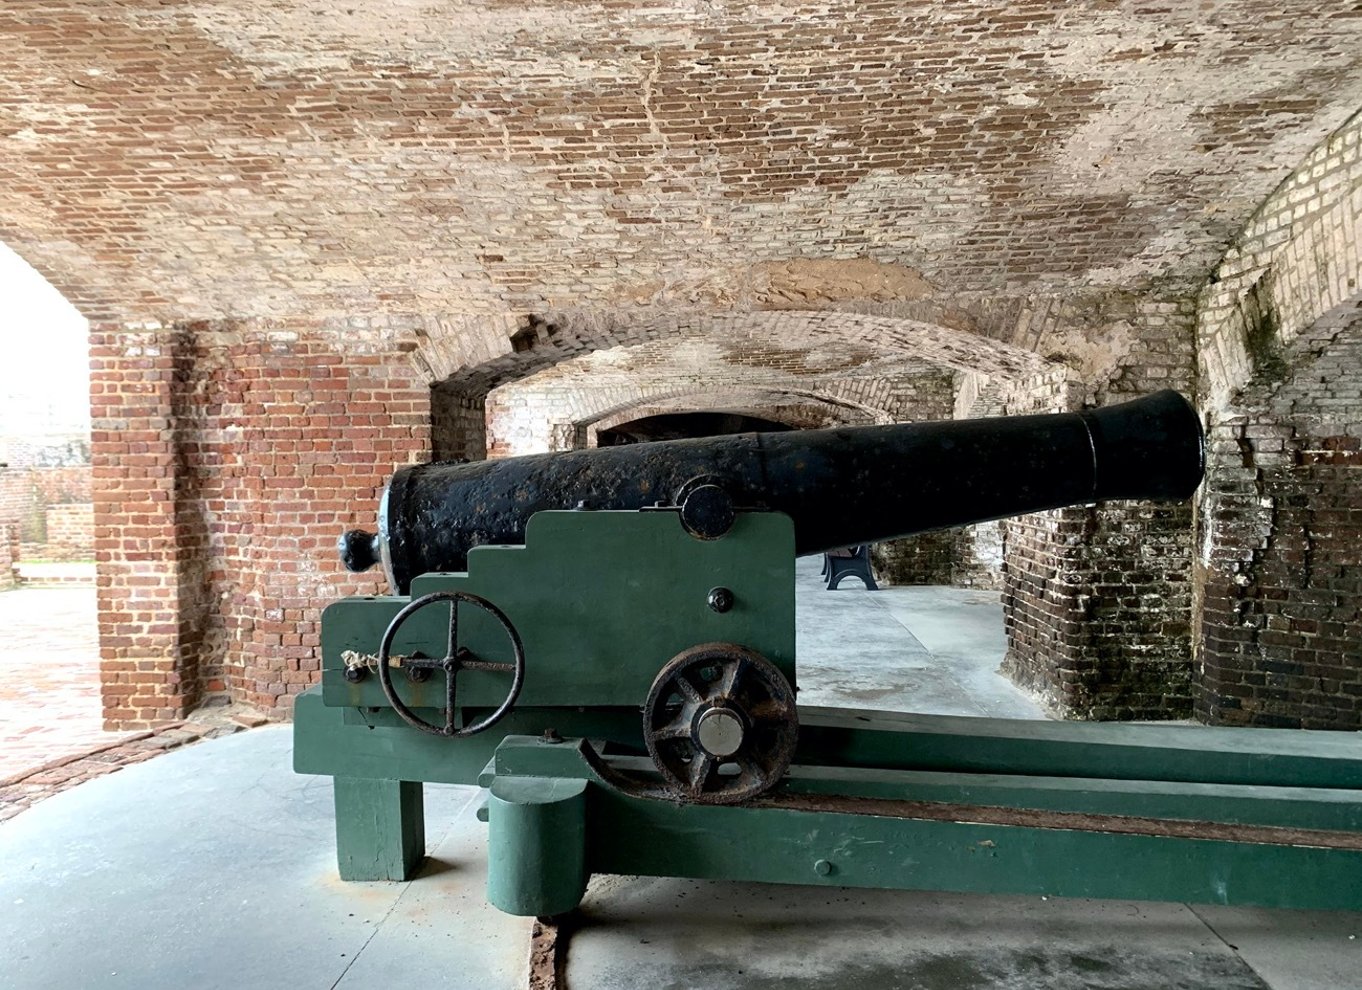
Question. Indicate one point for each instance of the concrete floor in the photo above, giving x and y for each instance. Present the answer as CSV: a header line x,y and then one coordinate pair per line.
x,y
213,867
921,649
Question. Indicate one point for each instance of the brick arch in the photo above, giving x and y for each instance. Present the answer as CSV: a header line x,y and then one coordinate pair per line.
x,y
476,352
1291,279
465,368
798,408
1280,342
570,418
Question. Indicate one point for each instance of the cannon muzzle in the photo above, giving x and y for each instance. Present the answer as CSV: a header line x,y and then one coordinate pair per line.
x,y
842,487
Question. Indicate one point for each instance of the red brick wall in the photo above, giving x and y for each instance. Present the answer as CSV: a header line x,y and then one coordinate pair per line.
x,y
8,554
928,558
141,667
1097,605
1281,630
14,496
70,531
62,485
1097,601
27,492
229,457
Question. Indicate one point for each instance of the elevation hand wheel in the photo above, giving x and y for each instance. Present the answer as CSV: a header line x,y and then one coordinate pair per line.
x,y
456,658
720,723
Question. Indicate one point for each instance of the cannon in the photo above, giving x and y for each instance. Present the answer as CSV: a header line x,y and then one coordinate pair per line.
x,y
841,487
604,640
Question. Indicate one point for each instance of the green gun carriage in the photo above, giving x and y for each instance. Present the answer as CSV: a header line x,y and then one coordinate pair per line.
x,y
605,641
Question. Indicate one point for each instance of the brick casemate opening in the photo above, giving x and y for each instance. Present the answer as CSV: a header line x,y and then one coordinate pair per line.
x,y
1097,600
229,455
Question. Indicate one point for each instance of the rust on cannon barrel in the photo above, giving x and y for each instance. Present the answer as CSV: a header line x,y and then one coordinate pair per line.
x,y
842,487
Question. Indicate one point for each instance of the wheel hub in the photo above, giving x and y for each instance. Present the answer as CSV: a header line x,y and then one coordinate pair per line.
x,y
720,732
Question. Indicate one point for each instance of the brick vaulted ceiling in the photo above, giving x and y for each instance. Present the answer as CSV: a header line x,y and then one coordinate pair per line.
x,y
289,158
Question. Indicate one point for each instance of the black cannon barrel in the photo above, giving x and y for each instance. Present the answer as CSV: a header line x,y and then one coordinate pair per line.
x,y
842,487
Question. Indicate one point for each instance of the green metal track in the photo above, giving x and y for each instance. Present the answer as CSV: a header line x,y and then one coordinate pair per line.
x,y
865,838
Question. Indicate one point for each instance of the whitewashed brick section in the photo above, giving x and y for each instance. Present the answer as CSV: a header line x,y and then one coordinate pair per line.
x,y
1298,262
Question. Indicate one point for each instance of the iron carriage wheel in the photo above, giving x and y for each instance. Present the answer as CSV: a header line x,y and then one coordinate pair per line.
x,y
720,723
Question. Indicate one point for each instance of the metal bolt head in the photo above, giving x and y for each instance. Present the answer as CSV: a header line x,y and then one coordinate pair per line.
x,y
355,674
720,599
823,868
551,736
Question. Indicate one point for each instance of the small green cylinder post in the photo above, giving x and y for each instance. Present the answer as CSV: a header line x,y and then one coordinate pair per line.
x,y
536,845
380,828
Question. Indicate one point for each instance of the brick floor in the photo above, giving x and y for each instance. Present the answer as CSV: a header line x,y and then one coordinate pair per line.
x,y
75,574
51,725
31,785
49,678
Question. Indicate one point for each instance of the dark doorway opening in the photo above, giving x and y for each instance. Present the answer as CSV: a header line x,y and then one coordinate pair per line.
x,y
679,426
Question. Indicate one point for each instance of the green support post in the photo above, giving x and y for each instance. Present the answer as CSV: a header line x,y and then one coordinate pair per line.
x,y
380,828
536,845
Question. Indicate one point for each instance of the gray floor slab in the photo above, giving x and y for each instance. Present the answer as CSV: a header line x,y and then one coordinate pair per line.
x,y
1302,950
920,649
666,934
214,867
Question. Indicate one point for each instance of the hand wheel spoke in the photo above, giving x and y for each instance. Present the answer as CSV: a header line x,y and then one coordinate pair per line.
x,y
416,661
494,665
451,688
453,648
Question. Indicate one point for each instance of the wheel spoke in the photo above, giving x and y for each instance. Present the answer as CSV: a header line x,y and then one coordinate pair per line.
x,y
685,687
753,769
733,674
453,649
451,681
678,728
700,767
768,708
